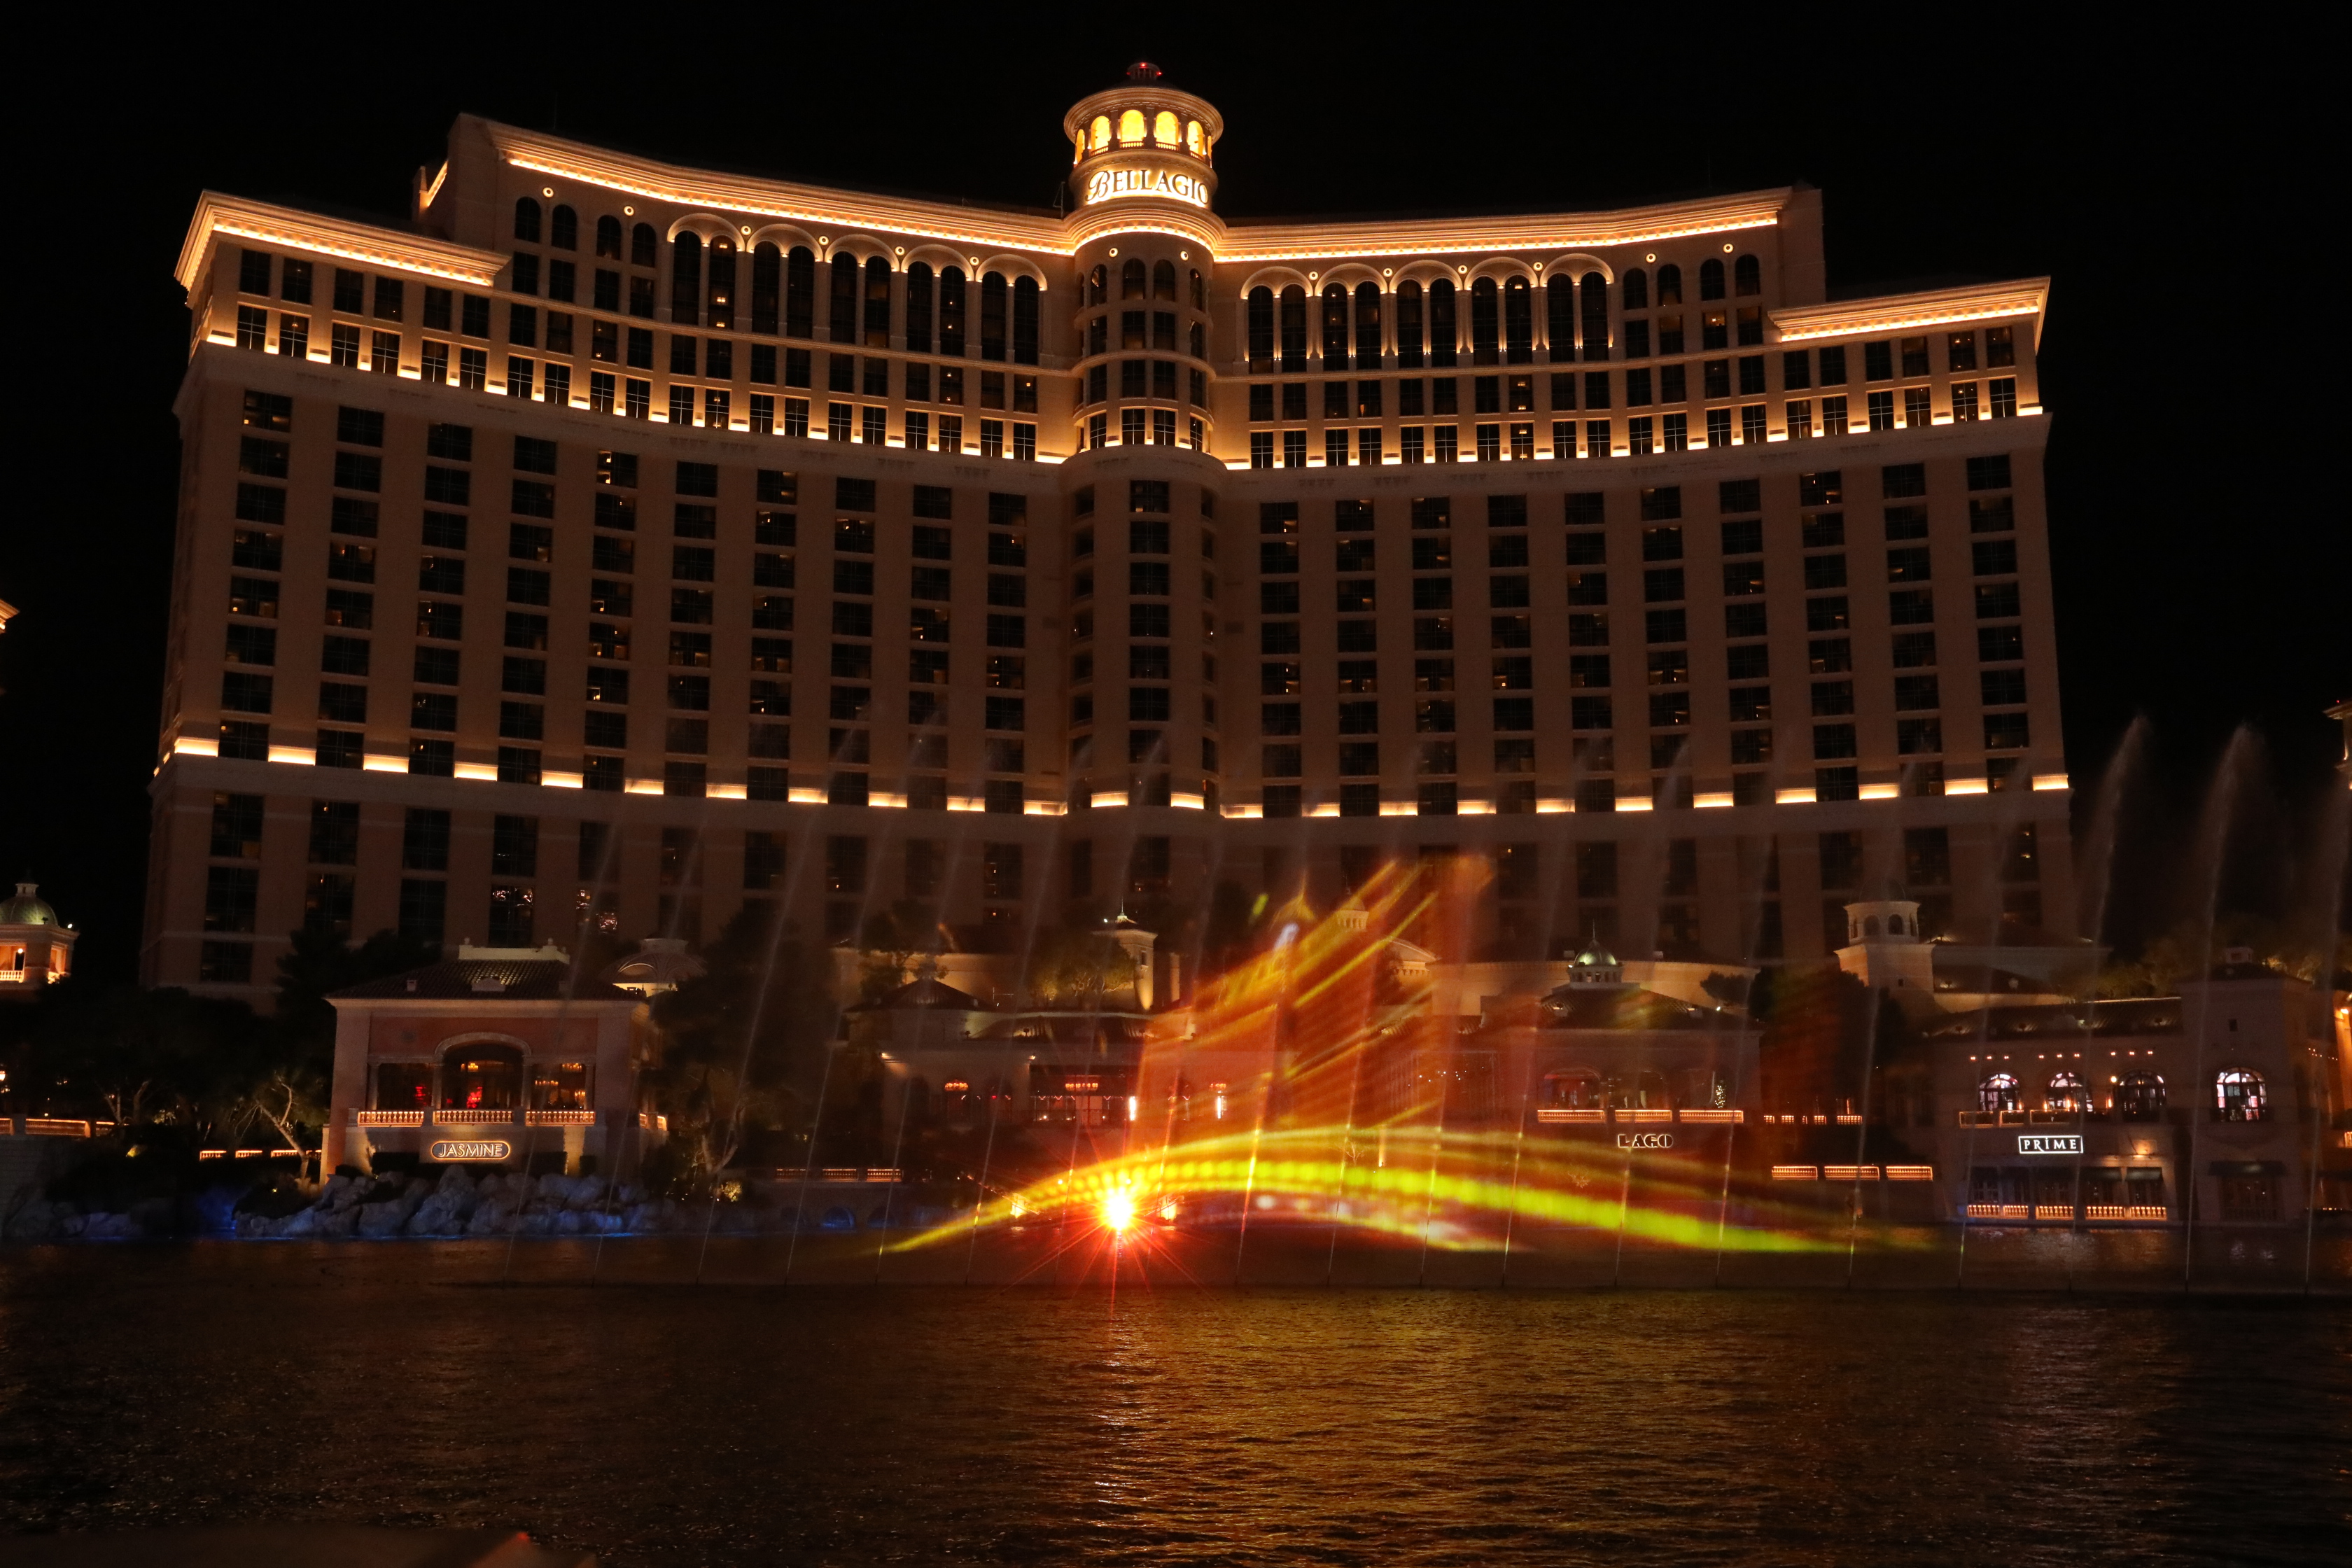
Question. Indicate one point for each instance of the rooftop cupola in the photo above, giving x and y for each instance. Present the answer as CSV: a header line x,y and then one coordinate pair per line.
x,y
1142,141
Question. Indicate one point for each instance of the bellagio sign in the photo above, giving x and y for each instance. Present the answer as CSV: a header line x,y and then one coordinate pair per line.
x,y
1107,184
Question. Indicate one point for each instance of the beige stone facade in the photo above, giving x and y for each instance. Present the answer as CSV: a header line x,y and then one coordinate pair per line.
x,y
620,541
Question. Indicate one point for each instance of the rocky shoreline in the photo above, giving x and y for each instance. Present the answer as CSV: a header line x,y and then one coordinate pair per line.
x,y
393,1207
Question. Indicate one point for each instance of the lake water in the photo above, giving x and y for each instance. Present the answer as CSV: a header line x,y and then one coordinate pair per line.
x,y
657,1421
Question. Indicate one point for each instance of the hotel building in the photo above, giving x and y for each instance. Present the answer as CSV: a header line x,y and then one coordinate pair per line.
x,y
623,541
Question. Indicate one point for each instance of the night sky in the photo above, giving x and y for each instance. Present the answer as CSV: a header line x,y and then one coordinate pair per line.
x,y
2201,566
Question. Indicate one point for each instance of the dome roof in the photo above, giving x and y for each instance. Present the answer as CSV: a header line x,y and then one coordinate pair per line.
x,y
26,908
1596,955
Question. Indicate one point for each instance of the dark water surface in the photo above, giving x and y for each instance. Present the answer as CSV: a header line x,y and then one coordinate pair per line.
x,y
662,1422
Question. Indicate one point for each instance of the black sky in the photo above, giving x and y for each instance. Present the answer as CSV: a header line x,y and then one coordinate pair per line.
x,y
2201,557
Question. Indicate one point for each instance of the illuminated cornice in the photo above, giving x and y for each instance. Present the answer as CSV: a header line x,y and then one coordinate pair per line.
x,y
390,247
1466,236
746,196
2024,297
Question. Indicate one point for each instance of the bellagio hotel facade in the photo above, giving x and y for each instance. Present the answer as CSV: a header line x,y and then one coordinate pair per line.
x,y
621,541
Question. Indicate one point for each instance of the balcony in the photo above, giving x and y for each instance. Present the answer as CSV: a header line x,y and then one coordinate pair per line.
x,y
388,1118
2001,1211
1593,1116
559,1118
465,1118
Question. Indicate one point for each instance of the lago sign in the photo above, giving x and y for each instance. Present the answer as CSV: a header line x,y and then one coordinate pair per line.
x,y
471,1149
2048,1143
1646,1140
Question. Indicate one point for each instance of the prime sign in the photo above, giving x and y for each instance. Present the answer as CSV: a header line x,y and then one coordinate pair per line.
x,y
1107,185
2048,1143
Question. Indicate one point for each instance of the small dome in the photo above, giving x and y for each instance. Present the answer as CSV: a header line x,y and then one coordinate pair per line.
x,y
26,908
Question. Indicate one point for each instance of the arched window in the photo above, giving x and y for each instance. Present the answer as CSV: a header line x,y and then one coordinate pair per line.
x,y
644,246
919,307
800,292
1710,280
1200,291
1099,133
2139,1097
527,220
1024,321
1130,128
958,1099
1596,317
686,278
1747,276
1163,282
1098,286
1637,290
1895,925
1573,1088
843,314
1870,925
1368,326
2237,1095
1443,339
2066,1093
767,286
1192,142
1198,337
481,1075
1294,328
877,303
1998,1092
1131,279
1670,285
1335,326
951,311
1261,329
1560,317
563,229
992,316
1163,129
722,283
608,238
1484,327
918,1100
1518,322
1409,325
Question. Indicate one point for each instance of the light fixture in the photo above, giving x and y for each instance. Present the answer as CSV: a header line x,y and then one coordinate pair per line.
x,y
629,212
547,190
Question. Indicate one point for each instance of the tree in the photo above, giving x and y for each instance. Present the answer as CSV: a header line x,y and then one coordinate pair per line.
x,y
744,1042
1072,966
130,1056
316,964
891,943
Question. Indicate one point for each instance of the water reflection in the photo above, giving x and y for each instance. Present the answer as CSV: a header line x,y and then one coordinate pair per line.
x,y
736,1423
